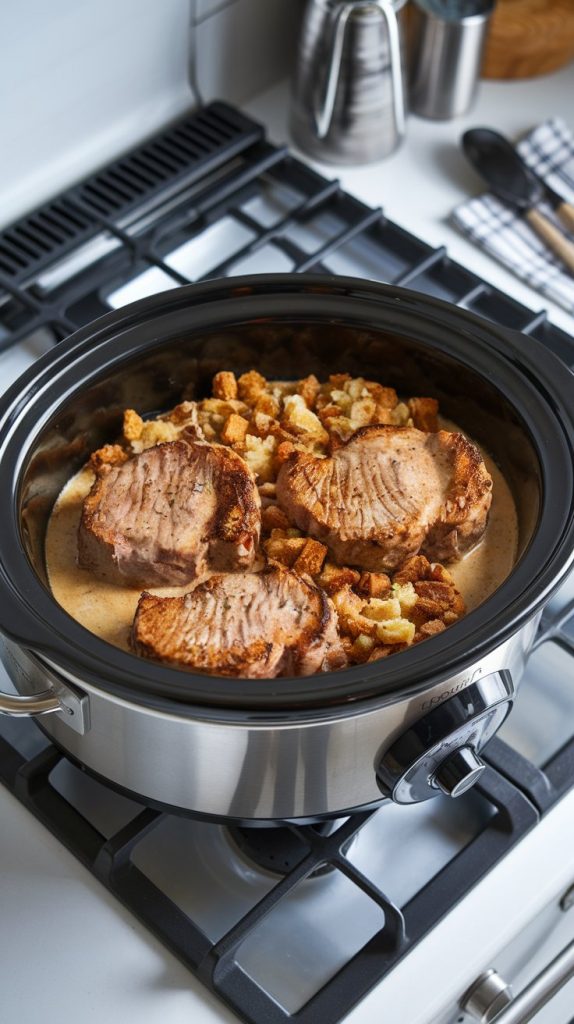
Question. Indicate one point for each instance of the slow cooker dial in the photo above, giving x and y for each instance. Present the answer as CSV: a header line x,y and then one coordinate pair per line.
x,y
439,753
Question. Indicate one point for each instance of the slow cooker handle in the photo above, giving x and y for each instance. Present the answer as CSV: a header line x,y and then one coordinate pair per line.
x,y
43,703
28,672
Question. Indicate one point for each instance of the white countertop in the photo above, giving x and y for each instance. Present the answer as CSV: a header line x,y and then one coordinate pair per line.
x,y
68,951
419,185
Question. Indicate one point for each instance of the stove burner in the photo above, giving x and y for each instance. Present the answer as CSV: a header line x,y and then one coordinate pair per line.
x,y
280,850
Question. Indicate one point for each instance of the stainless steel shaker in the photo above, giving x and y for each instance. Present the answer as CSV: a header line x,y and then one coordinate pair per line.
x,y
348,97
446,43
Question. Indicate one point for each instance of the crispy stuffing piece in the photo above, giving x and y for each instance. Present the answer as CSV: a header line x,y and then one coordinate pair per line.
x,y
264,422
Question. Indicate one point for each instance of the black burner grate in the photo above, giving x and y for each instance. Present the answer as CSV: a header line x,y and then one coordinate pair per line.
x,y
59,264
215,964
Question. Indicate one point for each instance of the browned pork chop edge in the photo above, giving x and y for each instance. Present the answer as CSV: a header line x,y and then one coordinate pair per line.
x,y
253,625
169,515
389,493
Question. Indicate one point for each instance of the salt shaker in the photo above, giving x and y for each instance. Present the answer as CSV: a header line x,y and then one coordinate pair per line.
x,y
446,44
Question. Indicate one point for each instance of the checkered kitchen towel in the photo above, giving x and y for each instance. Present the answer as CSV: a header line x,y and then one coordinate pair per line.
x,y
502,232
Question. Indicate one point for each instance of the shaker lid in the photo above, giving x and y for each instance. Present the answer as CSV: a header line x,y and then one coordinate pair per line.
x,y
456,10
395,4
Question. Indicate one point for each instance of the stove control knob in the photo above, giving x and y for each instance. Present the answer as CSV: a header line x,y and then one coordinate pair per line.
x,y
486,997
458,772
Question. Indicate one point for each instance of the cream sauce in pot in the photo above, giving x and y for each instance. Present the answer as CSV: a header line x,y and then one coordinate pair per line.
x,y
108,610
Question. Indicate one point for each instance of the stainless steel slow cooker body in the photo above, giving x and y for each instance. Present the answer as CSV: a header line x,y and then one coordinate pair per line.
x,y
275,750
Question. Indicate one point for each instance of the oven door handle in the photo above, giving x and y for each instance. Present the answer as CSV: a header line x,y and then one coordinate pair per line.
x,y
529,1002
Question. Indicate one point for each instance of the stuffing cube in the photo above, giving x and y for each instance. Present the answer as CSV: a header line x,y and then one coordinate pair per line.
x,y
311,559
406,595
379,610
441,594
133,425
284,549
108,456
362,412
400,415
234,429
335,577
155,432
362,648
386,398
274,518
396,631
184,413
438,572
349,607
374,584
415,568
262,425
430,628
329,412
259,455
285,450
268,405
342,399
250,386
383,415
224,385
301,421
340,430
309,388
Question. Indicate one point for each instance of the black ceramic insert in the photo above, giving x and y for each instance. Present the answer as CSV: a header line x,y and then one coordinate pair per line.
x,y
505,389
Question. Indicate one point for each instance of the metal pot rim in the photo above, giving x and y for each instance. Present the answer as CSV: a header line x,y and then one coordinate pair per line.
x,y
534,380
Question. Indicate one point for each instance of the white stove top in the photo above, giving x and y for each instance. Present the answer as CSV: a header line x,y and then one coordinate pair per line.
x,y
69,950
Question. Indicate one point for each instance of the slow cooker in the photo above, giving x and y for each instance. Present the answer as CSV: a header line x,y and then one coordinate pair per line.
x,y
408,727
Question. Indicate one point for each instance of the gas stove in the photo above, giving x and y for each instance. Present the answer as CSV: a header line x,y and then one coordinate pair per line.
x,y
303,922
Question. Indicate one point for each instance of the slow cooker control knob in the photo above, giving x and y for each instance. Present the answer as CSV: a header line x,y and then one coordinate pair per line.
x,y
438,752
459,772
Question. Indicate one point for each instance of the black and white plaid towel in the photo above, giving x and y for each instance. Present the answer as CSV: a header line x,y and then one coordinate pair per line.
x,y
502,232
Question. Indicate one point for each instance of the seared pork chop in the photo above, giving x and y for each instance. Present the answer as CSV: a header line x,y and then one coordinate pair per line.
x,y
254,625
389,493
170,514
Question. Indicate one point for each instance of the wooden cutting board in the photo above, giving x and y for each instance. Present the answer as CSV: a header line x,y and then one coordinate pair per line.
x,y
529,37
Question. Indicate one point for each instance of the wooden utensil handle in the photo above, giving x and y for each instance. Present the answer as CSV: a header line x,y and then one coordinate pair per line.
x,y
566,213
554,238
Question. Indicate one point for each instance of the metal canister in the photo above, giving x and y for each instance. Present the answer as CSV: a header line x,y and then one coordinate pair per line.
x,y
348,97
446,44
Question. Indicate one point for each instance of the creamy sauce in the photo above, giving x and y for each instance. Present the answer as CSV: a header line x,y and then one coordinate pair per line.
x,y
481,571
103,608
108,610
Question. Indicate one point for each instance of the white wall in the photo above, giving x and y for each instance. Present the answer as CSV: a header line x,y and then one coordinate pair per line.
x,y
83,80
